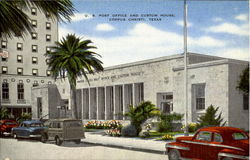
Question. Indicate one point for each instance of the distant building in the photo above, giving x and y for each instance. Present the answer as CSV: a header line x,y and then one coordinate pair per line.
x,y
211,80
23,64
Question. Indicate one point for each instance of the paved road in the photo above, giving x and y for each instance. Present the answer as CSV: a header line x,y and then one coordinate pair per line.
x,y
12,149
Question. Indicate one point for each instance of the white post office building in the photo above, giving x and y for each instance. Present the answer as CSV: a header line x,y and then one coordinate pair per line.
x,y
211,81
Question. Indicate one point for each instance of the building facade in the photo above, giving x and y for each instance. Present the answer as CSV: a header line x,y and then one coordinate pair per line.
x,y
24,65
211,81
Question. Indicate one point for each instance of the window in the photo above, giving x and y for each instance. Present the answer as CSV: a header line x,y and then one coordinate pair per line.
x,y
217,137
34,23
48,73
48,25
33,11
20,71
5,90
34,60
246,101
239,136
20,91
204,136
48,37
4,70
199,96
34,48
19,46
4,44
35,84
19,58
4,59
47,15
34,35
47,61
48,49
34,72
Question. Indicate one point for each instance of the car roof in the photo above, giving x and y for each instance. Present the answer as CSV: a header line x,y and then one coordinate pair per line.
x,y
7,120
32,121
222,129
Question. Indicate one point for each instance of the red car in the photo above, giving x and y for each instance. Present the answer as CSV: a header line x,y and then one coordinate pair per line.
x,y
211,143
6,126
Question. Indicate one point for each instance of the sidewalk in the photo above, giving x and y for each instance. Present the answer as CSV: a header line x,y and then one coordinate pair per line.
x,y
138,144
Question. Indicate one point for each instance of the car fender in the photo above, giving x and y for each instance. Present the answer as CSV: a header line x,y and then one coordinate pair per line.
x,y
230,153
176,145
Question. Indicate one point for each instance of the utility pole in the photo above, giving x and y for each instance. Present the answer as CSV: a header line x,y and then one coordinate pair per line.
x,y
185,68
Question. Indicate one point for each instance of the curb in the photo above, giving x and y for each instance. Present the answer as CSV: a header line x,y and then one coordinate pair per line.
x,y
129,148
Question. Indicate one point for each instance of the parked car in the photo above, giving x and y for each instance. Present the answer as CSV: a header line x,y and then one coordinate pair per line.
x,y
6,126
211,143
65,130
30,129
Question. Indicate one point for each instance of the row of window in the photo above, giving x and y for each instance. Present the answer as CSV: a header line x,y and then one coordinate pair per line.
x,y
20,90
19,46
47,24
34,60
34,12
20,71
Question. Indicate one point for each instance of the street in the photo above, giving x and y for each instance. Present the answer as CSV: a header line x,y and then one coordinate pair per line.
x,y
22,149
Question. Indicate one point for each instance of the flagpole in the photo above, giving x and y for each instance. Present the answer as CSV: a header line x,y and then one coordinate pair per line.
x,y
185,68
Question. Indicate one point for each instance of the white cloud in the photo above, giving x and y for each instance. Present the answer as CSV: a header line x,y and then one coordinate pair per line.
x,y
104,27
81,16
217,19
144,41
181,23
62,32
230,28
242,17
234,53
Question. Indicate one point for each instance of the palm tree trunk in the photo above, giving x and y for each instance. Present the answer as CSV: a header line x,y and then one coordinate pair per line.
x,y
73,101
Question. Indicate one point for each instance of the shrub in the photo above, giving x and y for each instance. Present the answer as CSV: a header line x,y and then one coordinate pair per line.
x,y
24,116
112,124
114,132
167,137
166,122
210,118
192,127
4,114
129,131
139,114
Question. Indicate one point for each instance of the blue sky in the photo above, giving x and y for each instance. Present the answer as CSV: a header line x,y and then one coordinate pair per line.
x,y
217,28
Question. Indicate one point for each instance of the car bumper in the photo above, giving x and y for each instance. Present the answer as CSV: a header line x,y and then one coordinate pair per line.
x,y
35,136
6,133
232,156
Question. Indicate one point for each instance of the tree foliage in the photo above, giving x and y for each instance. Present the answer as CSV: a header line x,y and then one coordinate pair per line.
x,y
4,113
243,83
15,21
211,118
139,114
166,121
72,58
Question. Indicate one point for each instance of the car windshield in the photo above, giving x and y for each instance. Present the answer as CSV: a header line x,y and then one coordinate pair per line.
x,y
10,123
239,136
36,125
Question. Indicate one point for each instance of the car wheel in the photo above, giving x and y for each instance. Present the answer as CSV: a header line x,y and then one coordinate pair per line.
x,y
58,141
174,154
78,141
43,138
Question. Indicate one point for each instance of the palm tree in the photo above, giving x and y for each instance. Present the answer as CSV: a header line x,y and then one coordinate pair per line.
x,y
15,21
139,114
72,58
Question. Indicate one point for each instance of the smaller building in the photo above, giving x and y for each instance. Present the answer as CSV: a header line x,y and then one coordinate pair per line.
x,y
48,104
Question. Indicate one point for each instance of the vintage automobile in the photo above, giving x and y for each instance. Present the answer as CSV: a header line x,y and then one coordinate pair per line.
x,y
30,129
65,130
211,143
6,126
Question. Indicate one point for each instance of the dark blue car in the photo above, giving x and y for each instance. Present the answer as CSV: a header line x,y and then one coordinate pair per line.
x,y
30,129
